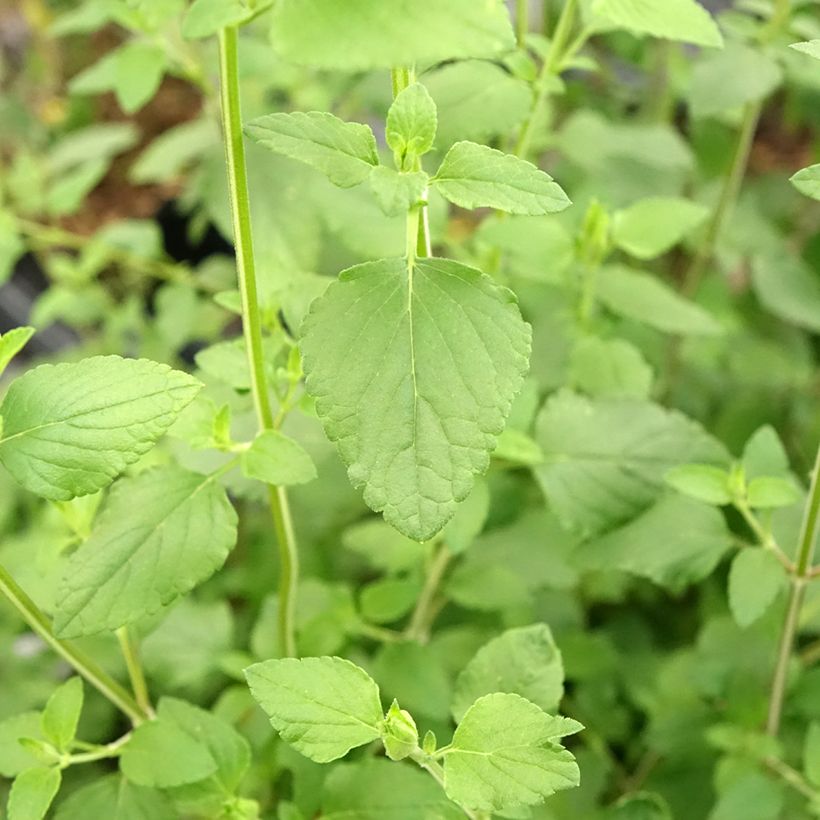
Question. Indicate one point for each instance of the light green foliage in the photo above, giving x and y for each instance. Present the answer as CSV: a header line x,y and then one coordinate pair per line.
x,y
344,151
765,455
15,758
752,796
524,661
277,459
755,579
323,707
400,735
397,191
159,534
506,753
640,806
115,798
653,226
11,245
32,793
605,461
476,176
70,429
811,754
62,714
399,395
207,17
728,79
768,492
684,20
610,368
643,298
812,48
807,181
411,125
469,519
361,35
701,481
787,287
11,343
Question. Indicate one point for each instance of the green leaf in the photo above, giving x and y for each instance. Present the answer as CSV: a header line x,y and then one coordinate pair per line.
x,y
605,460
382,547
70,429
506,753
159,535
11,245
788,288
62,714
345,152
731,78
11,343
15,758
323,707
675,543
769,492
644,298
640,806
114,798
414,372
518,448
524,661
207,17
684,20
469,519
411,125
755,579
807,181
752,796
610,368
654,225
765,455
161,754
701,481
389,599
361,35
812,48
395,191
32,792
476,176
277,459
811,753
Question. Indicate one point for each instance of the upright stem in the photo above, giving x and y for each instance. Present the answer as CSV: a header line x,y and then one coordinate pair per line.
x,y
252,324
96,676
551,65
803,565
522,21
419,626
135,673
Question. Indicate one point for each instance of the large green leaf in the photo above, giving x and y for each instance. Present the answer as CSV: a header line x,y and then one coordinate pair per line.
x,y
506,753
360,34
115,798
344,151
476,176
414,371
70,429
684,20
323,707
605,461
524,660
160,534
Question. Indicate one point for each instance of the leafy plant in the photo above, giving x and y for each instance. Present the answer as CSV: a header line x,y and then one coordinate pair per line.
x,y
569,570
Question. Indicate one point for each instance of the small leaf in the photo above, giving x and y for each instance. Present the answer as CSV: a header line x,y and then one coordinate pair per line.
x,y
807,181
62,714
396,191
524,661
610,368
684,20
159,535
344,151
388,599
163,755
765,455
701,481
11,343
277,459
506,753
14,758
755,578
70,429
476,176
812,48
411,125
768,492
323,707
33,792
811,753
654,225
518,448
207,17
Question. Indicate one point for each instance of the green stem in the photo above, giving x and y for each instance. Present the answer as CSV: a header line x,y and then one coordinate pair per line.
x,y
252,323
135,673
792,777
424,612
550,67
803,565
113,749
85,666
435,769
522,22
728,197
